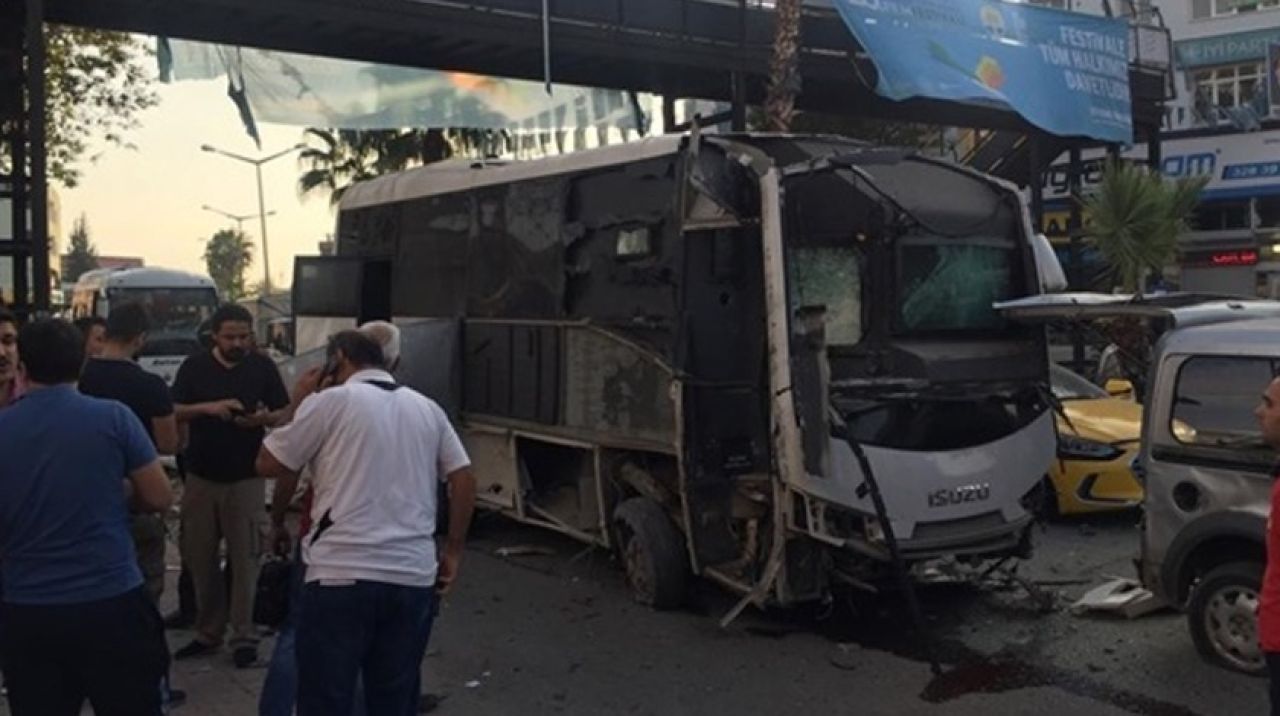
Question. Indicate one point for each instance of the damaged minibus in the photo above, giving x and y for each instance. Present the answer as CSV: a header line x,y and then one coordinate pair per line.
x,y
770,361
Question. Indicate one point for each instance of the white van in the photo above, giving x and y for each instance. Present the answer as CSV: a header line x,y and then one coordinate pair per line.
x,y
178,302
1206,474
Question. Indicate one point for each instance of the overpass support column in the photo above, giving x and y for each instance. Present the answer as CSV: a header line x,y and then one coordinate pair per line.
x,y
24,240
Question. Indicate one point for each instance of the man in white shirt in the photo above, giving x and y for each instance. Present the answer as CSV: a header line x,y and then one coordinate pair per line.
x,y
376,451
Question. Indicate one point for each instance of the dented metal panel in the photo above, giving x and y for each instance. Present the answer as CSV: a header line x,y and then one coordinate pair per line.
x,y
613,387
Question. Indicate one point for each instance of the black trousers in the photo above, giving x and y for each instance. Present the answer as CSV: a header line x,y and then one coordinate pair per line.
x,y
1273,671
110,652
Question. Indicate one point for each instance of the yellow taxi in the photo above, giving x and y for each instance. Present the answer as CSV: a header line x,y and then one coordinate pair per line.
x,y
1098,437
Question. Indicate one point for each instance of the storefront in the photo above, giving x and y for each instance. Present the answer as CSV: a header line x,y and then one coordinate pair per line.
x,y
1234,247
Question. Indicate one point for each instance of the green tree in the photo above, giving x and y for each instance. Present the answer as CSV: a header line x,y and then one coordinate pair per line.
x,y
1135,219
784,67
82,256
337,158
97,83
226,257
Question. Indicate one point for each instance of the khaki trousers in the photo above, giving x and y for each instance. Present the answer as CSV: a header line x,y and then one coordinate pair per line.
x,y
211,513
149,543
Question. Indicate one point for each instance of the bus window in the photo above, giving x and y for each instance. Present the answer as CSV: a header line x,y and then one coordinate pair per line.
x,y
173,311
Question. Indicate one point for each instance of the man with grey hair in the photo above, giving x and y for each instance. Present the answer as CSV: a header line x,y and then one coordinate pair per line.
x,y
387,335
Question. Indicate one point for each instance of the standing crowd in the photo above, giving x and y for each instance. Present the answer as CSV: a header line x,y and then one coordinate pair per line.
x,y
83,495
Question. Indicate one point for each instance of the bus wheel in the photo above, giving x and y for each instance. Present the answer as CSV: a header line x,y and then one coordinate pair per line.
x,y
652,552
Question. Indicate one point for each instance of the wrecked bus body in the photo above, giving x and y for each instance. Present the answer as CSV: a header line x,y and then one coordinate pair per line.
x,y
667,347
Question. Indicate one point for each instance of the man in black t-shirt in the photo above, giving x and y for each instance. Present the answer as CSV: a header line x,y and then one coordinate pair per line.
x,y
226,397
112,373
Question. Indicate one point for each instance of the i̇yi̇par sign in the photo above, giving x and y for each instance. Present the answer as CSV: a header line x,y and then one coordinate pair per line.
x,y
1065,72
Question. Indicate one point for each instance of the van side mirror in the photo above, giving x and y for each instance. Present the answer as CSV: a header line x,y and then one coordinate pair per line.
x,y
1119,388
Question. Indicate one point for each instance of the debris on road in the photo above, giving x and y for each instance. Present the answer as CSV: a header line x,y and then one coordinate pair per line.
x,y
524,550
845,657
1119,596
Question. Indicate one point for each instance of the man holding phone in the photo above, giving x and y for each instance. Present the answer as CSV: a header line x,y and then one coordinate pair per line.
x,y
377,452
226,397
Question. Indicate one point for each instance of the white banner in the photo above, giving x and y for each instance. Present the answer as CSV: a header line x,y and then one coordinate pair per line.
x,y
288,88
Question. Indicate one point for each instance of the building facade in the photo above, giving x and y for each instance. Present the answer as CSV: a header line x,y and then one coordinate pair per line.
x,y
1225,125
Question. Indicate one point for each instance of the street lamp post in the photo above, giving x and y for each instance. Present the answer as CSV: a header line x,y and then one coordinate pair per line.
x,y
238,218
262,212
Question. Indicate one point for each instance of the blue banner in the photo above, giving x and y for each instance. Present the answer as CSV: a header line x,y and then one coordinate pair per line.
x,y
1065,72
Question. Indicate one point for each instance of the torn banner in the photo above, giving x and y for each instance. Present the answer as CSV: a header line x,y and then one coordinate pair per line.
x,y
288,88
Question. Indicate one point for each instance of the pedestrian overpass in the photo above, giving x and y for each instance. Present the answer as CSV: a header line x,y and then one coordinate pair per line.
x,y
706,49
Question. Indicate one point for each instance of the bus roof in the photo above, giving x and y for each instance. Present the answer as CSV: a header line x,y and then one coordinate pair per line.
x,y
462,174
142,278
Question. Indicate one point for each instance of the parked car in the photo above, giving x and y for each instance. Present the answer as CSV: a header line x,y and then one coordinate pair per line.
x,y
1097,441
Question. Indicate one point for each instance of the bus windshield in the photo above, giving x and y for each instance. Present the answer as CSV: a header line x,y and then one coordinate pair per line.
x,y
951,285
174,312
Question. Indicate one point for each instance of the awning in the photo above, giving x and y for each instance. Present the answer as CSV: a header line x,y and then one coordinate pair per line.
x,y
1065,72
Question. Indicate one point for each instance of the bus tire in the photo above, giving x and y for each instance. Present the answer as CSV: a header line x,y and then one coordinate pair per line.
x,y
653,553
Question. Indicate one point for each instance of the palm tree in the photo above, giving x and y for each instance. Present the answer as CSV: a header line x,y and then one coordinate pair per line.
x,y
345,156
227,255
1136,217
337,158
784,68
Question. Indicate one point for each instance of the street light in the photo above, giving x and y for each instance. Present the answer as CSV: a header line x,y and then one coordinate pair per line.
x,y
238,218
262,212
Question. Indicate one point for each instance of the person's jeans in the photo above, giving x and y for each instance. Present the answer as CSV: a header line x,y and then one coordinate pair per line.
x,y
280,690
363,629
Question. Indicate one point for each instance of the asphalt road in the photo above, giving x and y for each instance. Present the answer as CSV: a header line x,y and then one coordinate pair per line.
x,y
557,633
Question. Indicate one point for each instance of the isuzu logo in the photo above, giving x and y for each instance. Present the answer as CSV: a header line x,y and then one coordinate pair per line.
x,y
960,495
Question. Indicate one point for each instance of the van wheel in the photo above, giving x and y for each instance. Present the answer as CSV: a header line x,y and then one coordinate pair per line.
x,y
1222,615
652,552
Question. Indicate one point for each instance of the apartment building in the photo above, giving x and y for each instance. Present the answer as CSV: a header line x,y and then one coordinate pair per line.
x,y
1225,124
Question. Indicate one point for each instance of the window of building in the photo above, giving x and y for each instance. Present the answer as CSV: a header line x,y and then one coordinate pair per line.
x,y
1231,85
1221,215
1268,212
1201,9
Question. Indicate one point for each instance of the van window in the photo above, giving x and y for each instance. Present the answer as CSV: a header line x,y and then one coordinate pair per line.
x,y
1215,398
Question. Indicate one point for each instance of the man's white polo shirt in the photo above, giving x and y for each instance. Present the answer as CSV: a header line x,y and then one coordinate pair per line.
x,y
377,456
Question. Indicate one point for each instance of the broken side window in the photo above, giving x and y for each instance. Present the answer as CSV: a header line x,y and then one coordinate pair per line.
x,y
830,277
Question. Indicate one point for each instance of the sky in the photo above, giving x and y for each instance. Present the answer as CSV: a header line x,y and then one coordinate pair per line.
x,y
147,201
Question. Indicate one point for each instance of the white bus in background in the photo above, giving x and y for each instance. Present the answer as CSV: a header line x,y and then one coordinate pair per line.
x,y
179,304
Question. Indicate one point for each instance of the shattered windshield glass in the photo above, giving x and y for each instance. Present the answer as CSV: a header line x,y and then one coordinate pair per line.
x,y
950,284
829,276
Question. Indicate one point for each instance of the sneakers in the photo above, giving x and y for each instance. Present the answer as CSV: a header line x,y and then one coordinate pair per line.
x,y
244,656
194,649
